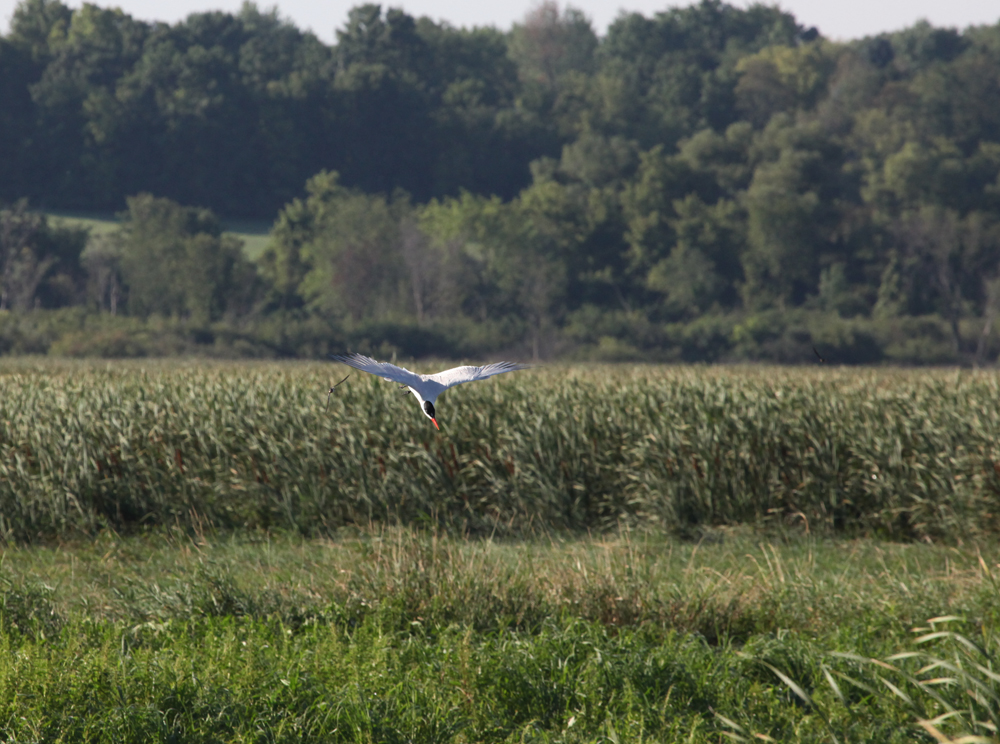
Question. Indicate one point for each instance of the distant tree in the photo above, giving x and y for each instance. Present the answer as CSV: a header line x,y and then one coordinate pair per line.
x,y
945,262
241,96
39,264
510,267
17,123
574,214
176,262
76,103
384,121
339,252
794,208
373,38
688,281
39,26
704,267
921,45
648,206
596,161
550,43
472,235
441,276
722,164
680,64
918,173
782,78
20,266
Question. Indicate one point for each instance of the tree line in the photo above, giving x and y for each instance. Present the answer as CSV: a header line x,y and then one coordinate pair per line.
x,y
709,183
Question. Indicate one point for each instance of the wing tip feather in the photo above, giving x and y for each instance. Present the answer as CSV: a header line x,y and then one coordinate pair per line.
x,y
352,356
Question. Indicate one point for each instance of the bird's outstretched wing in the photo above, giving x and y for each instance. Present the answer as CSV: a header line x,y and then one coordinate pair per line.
x,y
458,375
381,369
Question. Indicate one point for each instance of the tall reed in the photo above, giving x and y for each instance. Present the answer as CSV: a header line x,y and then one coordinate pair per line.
x,y
901,454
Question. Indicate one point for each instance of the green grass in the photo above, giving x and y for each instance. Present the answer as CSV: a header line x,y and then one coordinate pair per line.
x,y
905,455
407,636
98,223
255,234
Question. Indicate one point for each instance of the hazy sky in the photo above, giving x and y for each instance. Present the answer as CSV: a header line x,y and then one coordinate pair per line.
x,y
836,19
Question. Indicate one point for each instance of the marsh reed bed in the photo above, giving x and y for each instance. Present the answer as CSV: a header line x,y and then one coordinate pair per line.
x,y
898,454
206,552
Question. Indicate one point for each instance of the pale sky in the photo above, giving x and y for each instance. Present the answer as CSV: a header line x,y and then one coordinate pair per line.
x,y
836,19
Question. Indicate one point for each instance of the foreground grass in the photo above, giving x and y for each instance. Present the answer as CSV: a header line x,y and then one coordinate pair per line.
x,y
403,636
905,455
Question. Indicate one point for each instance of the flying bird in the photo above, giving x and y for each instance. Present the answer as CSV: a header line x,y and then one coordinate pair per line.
x,y
425,388
332,389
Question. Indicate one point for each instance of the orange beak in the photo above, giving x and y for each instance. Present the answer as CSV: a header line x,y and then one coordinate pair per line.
x,y
436,424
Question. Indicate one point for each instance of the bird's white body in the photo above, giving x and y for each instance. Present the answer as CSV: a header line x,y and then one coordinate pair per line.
x,y
426,388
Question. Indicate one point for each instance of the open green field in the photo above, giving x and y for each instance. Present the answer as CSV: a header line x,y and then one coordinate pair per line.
x,y
209,552
254,233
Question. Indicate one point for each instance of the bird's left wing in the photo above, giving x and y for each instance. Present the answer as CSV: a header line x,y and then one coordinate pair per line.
x,y
381,369
458,375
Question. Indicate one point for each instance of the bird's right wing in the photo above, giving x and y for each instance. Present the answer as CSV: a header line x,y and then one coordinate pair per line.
x,y
458,375
380,369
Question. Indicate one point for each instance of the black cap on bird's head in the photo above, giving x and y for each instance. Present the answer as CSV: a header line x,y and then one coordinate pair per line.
x,y
429,412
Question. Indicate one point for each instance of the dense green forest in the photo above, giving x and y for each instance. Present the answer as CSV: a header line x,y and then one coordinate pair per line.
x,y
712,183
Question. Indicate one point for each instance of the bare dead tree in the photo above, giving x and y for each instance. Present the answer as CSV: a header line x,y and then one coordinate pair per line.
x,y
26,275
541,290
944,248
551,42
102,261
419,262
